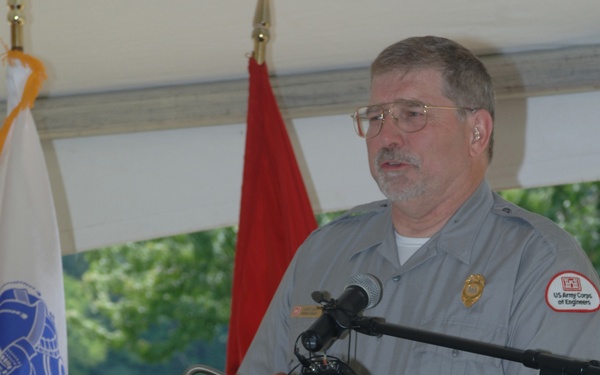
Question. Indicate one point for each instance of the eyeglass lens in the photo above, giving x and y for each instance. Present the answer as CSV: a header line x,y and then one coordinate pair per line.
x,y
409,117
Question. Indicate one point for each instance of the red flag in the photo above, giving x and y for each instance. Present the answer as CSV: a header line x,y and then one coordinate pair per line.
x,y
275,216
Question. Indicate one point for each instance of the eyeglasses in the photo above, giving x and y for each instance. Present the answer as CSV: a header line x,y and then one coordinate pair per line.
x,y
408,116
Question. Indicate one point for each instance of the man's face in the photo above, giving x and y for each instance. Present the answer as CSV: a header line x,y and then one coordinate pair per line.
x,y
430,163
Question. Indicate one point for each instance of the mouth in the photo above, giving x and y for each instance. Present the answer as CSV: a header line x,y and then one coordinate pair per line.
x,y
393,165
393,160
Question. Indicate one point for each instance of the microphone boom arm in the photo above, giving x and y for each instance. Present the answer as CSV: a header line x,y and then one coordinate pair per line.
x,y
547,363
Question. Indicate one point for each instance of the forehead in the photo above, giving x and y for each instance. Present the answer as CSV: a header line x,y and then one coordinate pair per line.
x,y
422,85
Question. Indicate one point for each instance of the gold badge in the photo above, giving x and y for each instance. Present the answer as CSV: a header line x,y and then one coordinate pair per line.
x,y
473,289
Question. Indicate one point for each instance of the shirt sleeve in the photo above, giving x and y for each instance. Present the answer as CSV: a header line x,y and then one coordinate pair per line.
x,y
534,324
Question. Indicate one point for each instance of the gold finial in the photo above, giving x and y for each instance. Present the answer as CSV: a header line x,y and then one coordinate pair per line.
x,y
16,20
261,33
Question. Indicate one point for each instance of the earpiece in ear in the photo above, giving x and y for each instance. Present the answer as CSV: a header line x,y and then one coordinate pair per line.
x,y
476,135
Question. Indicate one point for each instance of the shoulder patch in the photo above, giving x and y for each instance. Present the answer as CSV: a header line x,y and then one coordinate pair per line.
x,y
570,291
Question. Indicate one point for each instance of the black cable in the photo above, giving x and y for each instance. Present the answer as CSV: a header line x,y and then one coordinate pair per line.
x,y
349,346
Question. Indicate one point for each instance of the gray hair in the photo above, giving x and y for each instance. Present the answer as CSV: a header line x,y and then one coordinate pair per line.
x,y
466,80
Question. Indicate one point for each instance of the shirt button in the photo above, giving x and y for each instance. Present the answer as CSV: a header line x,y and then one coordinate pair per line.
x,y
455,353
396,278
507,210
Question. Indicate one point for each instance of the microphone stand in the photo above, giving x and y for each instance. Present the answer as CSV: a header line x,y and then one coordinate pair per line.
x,y
547,363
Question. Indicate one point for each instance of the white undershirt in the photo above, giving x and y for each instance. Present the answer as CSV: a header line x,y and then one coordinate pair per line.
x,y
407,246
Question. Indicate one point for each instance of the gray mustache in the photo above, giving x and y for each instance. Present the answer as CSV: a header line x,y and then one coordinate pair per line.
x,y
396,155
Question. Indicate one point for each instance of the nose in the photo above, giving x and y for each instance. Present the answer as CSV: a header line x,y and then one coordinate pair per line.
x,y
390,134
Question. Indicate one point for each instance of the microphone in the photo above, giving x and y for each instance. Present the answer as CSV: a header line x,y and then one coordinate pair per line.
x,y
362,292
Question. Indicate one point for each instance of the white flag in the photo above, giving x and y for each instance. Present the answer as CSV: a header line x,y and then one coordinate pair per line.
x,y
33,338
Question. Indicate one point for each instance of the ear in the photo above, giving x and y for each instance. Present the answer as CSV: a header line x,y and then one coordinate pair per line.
x,y
481,125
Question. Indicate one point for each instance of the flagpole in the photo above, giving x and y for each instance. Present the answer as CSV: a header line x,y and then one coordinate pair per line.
x,y
261,33
16,20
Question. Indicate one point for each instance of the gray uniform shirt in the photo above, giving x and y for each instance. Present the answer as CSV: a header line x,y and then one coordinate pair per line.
x,y
517,252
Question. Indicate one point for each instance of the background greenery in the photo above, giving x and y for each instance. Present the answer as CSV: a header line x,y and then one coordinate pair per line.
x,y
159,306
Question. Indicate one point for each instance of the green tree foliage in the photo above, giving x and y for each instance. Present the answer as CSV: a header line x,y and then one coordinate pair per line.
x,y
156,297
575,208
85,351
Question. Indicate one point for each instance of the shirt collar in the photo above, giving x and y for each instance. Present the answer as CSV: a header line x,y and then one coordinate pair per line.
x,y
456,237
378,230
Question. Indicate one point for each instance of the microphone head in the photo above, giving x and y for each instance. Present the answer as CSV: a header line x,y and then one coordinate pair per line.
x,y
318,297
370,284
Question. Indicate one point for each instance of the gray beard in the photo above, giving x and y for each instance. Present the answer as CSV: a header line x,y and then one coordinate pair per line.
x,y
390,182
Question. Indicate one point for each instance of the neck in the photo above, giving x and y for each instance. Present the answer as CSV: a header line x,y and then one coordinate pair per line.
x,y
426,215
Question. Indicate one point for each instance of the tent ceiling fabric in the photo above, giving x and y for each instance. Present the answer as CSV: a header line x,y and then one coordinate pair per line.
x,y
95,46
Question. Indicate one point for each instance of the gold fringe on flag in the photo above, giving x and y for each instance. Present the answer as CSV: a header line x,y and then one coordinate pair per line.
x,y
30,92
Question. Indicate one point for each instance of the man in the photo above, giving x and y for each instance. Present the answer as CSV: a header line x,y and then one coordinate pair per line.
x,y
452,256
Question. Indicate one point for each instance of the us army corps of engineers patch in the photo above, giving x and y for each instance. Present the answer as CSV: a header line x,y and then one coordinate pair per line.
x,y
570,291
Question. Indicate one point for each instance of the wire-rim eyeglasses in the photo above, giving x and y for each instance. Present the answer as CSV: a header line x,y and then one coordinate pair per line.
x,y
409,116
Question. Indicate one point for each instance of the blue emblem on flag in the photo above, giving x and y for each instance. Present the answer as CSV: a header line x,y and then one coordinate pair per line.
x,y
28,338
